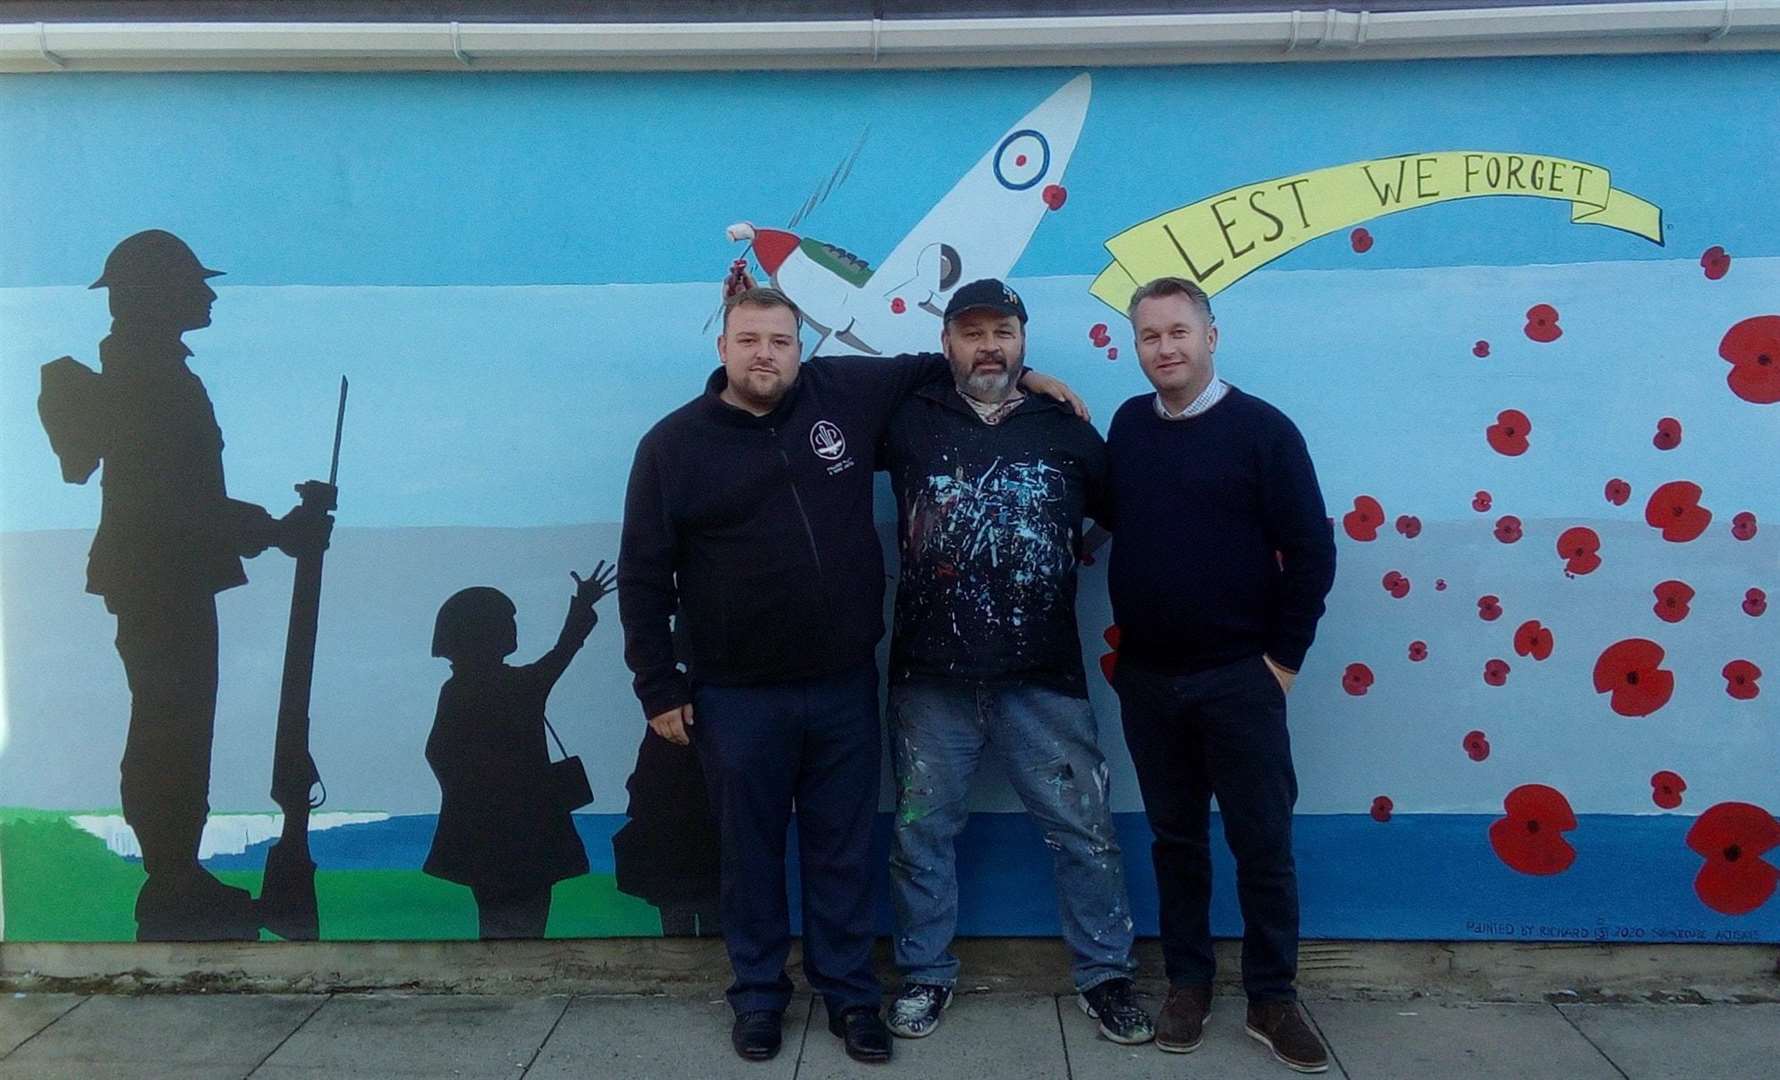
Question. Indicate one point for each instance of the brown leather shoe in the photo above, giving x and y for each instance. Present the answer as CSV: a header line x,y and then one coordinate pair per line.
x,y
1181,1024
1279,1026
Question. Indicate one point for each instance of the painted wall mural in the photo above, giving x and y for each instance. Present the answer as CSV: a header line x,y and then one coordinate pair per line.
x,y
1535,709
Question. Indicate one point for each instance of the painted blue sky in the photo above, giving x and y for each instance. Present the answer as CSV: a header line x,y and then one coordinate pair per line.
x,y
419,179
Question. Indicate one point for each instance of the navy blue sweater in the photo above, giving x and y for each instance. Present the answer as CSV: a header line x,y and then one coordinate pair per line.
x,y
1222,548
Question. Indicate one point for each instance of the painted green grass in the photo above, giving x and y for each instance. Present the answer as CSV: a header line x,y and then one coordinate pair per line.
x,y
59,883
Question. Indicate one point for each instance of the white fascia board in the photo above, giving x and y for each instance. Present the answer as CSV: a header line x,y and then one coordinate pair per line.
x,y
1317,34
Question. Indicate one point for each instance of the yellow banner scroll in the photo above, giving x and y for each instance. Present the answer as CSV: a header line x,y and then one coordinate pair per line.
x,y
1218,240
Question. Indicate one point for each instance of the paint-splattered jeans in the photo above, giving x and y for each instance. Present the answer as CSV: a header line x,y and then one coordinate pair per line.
x,y
1046,741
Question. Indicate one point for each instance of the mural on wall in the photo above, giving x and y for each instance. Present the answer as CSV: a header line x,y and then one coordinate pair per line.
x,y
1535,707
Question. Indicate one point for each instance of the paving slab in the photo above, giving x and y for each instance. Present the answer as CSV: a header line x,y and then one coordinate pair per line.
x,y
621,1038
473,1036
24,1015
1414,1040
981,1037
1226,1052
1657,1042
184,1035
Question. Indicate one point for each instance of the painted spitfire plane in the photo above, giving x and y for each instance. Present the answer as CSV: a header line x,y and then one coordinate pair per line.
x,y
978,230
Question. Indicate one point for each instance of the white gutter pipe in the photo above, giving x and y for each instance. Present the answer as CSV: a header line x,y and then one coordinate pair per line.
x,y
1316,34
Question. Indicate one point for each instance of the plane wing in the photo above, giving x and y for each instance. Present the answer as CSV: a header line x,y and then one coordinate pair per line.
x,y
983,224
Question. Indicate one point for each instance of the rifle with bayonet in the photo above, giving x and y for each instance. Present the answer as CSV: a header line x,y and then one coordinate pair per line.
x,y
287,892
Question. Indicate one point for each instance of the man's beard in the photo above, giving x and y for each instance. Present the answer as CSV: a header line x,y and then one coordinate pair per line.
x,y
991,386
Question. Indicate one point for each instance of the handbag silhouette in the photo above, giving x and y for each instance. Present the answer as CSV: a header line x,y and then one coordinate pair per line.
x,y
568,777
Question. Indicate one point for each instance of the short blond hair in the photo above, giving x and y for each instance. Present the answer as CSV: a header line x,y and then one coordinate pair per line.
x,y
1171,286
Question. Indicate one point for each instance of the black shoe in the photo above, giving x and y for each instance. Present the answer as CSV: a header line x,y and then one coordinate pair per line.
x,y
756,1034
867,1038
192,905
1121,1018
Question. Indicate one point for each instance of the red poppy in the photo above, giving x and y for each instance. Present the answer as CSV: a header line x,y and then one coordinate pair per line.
x,y
1668,434
1382,807
1418,651
1732,837
1361,240
1715,262
1743,526
1618,491
1396,584
1740,680
1495,672
1672,598
1110,661
1542,323
1629,671
1579,547
1530,838
1675,509
1481,349
1480,502
1666,788
1357,679
1508,435
1439,584
1752,348
1489,608
1532,639
1755,602
1363,520
1409,525
1508,528
1477,747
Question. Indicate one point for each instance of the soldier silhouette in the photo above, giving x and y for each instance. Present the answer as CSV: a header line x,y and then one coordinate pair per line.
x,y
169,539
503,829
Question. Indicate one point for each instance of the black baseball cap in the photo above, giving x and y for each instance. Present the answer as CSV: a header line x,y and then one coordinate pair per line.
x,y
988,294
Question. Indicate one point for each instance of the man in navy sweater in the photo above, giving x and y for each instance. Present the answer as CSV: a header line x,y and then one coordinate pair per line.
x,y
748,518
1221,560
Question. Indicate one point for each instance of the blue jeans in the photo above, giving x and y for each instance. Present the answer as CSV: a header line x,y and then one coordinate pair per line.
x,y
1046,740
814,743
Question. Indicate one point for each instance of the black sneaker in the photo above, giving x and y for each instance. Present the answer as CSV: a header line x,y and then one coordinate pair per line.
x,y
1121,1018
915,1012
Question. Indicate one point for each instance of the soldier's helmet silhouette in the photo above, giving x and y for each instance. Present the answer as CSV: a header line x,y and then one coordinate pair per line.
x,y
153,258
477,623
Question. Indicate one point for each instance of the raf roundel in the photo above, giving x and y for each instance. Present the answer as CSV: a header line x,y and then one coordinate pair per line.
x,y
1022,160
827,441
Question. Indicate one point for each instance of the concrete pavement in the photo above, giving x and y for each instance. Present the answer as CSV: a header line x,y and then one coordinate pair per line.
x,y
985,1036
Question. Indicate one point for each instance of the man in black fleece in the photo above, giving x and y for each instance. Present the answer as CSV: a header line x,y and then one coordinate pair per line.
x,y
749,511
1221,559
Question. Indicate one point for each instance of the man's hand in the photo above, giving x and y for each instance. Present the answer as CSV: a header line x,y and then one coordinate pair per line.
x,y
1285,677
672,725
302,532
1034,383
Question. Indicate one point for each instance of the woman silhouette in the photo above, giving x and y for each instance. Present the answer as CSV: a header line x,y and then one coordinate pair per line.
x,y
501,830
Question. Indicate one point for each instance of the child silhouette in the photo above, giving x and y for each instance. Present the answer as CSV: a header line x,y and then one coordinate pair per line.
x,y
501,830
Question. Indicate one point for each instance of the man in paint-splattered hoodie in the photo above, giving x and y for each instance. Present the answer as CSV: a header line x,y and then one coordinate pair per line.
x,y
991,489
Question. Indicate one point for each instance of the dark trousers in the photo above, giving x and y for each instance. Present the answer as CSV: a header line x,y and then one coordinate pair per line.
x,y
503,913
815,743
1218,732
168,646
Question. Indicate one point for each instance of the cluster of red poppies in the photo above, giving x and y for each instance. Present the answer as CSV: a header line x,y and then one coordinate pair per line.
x,y
1730,836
